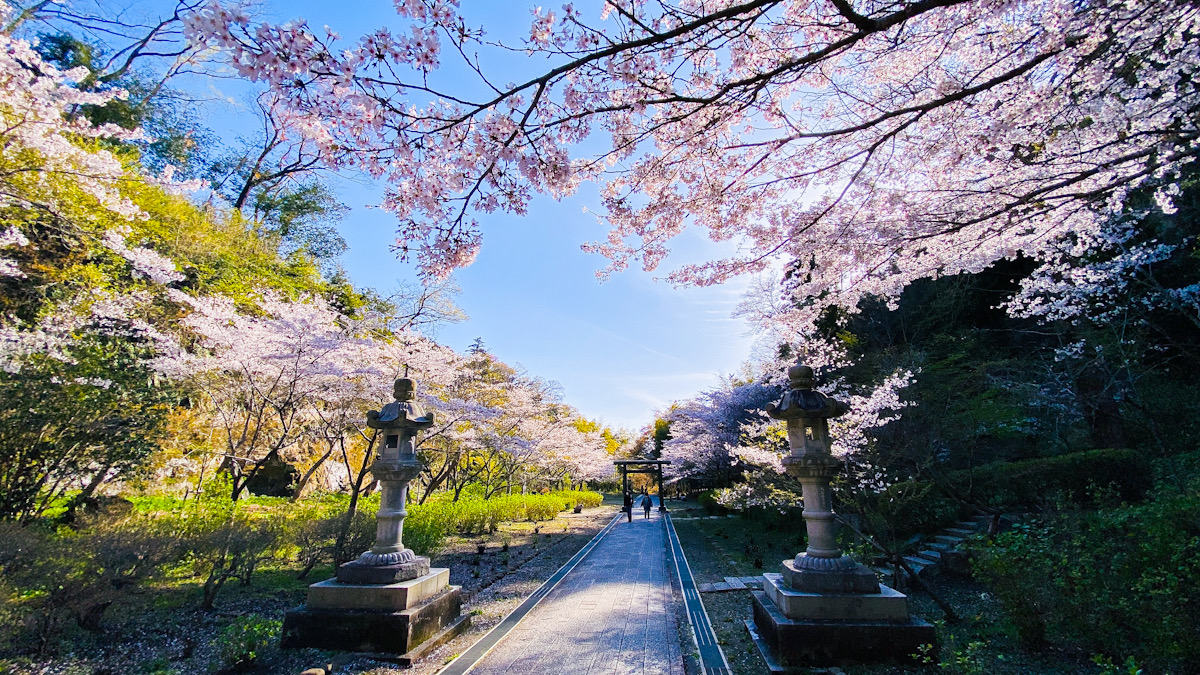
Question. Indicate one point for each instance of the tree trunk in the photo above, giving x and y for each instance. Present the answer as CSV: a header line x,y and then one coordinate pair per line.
x,y
356,490
309,474
1095,391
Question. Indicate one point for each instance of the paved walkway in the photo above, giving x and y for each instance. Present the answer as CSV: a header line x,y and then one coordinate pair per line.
x,y
613,613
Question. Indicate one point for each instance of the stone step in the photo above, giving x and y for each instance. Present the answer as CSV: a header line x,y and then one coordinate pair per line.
x,y
971,525
735,583
982,523
948,539
959,532
918,565
938,546
932,556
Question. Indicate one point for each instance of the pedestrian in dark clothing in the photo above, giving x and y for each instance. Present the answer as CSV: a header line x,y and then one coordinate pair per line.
x,y
629,505
647,502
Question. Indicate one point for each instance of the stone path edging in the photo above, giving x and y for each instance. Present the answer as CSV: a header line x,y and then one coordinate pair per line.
x,y
712,659
474,654
733,584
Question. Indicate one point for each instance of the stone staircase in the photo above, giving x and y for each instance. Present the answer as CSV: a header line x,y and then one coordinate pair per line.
x,y
936,552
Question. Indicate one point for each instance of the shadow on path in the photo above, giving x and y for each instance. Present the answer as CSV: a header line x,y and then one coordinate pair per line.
x,y
613,612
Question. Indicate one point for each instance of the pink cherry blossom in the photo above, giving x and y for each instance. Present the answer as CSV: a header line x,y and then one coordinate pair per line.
x,y
859,145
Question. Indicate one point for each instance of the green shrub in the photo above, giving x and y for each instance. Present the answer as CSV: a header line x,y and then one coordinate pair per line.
x,y
423,530
1120,582
312,526
52,579
472,514
542,507
1016,565
908,508
708,501
226,540
587,498
1072,478
246,639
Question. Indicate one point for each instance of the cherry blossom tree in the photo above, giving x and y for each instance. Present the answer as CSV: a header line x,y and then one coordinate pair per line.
x,y
724,435
861,144
710,432
502,429
266,376
43,163
82,406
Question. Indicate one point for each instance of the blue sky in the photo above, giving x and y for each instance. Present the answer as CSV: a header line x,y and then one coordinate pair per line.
x,y
620,349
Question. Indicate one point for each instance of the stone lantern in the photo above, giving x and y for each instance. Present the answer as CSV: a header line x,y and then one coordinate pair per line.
x,y
388,599
821,568
823,606
389,561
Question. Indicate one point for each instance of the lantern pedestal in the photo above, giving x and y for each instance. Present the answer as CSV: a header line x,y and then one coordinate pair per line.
x,y
828,575
851,637
806,628
387,618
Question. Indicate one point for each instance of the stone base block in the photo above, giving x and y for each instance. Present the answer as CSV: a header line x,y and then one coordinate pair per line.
x,y
809,642
886,605
355,573
333,594
357,630
829,575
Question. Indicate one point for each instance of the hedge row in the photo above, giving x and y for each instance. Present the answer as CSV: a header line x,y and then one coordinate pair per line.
x,y
1121,582
476,516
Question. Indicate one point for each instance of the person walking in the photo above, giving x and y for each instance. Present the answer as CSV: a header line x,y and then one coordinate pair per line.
x,y
629,505
647,503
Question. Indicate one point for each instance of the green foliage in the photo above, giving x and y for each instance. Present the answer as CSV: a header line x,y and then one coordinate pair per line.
x,y
51,579
423,533
1009,564
1108,667
94,417
222,539
243,641
473,515
922,506
905,509
99,413
1121,582
1073,477
662,434
959,658
708,501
